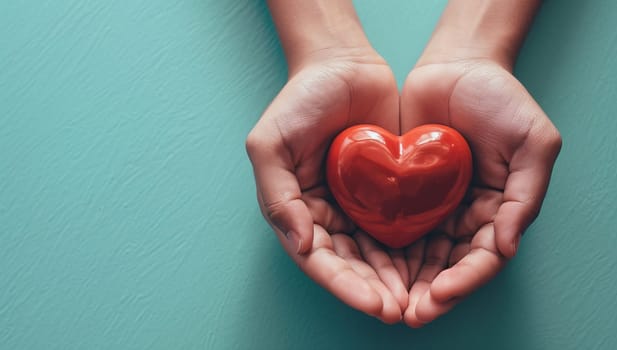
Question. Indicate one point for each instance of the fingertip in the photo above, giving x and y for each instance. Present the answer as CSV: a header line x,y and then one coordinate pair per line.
x,y
506,238
402,298
349,287
443,287
411,320
303,247
364,297
391,312
297,244
507,247
303,243
370,302
391,317
510,223
415,294
391,285
295,221
428,309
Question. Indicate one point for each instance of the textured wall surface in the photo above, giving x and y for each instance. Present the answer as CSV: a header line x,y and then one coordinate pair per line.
x,y
127,210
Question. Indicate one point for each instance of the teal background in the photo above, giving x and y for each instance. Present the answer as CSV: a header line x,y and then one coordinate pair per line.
x,y
127,211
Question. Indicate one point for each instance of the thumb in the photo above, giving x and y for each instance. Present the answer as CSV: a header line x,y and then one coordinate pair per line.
x,y
526,186
278,191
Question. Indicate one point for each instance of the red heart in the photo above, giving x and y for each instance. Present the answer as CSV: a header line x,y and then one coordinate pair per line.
x,y
398,188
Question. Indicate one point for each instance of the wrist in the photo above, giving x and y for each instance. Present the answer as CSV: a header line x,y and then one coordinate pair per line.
x,y
318,30
473,51
481,29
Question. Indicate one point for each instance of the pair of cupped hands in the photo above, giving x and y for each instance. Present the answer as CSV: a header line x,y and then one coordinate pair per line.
x,y
514,147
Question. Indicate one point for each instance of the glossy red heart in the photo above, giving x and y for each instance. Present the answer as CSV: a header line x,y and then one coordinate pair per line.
x,y
398,188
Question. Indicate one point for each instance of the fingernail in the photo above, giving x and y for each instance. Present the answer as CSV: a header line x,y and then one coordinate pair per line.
x,y
295,240
515,244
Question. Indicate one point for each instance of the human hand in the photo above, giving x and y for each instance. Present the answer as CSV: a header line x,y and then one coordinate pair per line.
x,y
464,79
514,146
333,90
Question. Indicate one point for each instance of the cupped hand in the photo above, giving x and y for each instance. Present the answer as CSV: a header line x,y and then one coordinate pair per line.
x,y
514,146
287,148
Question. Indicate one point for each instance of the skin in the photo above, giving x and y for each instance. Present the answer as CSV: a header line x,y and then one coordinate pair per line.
x,y
336,79
464,80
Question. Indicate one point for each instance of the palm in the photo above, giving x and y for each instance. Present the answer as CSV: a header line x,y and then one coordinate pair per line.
x,y
514,146
288,148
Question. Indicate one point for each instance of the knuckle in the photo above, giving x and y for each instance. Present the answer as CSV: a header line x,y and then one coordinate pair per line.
x,y
252,143
275,210
261,142
555,141
551,138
